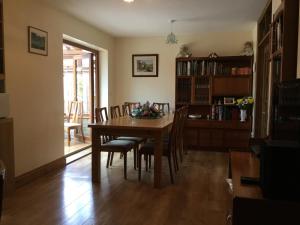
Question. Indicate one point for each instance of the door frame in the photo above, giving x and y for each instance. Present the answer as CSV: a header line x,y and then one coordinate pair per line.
x,y
97,76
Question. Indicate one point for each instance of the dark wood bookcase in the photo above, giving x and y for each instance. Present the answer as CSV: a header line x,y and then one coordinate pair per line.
x,y
206,85
263,72
284,50
2,71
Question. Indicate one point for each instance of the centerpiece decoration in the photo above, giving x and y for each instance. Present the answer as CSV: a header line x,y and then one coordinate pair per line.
x,y
146,111
244,104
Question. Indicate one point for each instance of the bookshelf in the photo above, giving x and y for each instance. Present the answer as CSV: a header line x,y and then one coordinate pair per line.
x,y
206,85
284,45
2,71
263,72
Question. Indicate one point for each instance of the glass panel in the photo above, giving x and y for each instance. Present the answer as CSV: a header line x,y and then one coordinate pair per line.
x,y
69,82
83,89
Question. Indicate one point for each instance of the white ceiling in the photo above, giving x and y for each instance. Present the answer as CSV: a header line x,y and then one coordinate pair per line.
x,y
151,17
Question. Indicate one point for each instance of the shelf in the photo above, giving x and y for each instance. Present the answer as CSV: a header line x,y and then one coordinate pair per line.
x,y
277,53
184,76
230,76
267,35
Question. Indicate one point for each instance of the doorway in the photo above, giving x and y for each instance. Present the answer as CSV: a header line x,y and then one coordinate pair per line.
x,y
81,95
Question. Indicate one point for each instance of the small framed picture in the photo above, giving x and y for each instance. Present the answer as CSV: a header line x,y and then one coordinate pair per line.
x,y
37,41
228,101
145,65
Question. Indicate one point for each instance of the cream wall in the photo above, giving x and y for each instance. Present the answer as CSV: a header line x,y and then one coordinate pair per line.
x,y
162,89
35,82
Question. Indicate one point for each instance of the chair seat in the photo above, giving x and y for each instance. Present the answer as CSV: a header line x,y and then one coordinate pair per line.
x,y
135,139
148,148
117,145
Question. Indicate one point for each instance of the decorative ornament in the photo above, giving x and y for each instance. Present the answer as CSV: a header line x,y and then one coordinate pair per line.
x,y
184,52
248,49
213,55
171,38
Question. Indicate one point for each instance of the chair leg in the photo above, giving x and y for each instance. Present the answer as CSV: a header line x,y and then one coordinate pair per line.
x,y
146,155
170,167
134,157
175,161
125,165
108,158
69,136
149,162
111,158
83,138
139,164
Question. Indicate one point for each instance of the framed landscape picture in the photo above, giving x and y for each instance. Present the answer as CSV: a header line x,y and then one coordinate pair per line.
x,y
145,65
37,41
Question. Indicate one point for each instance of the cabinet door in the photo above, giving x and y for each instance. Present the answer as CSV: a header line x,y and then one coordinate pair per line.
x,y
236,138
204,136
217,138
232,86
191,137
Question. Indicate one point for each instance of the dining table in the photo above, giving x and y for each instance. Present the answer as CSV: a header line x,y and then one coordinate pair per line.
x,y
154,128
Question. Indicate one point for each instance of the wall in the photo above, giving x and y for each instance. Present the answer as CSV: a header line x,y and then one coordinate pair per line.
x,y
162,89
35,82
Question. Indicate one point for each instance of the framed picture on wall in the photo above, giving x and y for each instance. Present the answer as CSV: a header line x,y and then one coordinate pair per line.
x,y
37,41
145,65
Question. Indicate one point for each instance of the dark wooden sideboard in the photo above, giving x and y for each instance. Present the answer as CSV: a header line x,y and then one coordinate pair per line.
x,y
249,207
214,134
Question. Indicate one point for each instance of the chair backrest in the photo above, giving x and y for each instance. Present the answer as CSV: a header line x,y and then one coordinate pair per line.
x,y
162,106
101,114
175,130
132,105
115,112
75,112
125,110
183,116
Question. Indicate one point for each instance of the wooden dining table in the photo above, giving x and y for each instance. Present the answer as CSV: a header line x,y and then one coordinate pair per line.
x,y
134,127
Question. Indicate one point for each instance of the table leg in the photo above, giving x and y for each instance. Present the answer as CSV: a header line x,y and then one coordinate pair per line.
x,y
96,156
158,159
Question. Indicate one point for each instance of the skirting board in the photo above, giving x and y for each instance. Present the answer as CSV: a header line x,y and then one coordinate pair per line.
x,y
40,171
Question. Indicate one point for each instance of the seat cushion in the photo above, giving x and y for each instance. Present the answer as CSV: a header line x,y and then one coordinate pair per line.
x,y
117,145
135,139
148,148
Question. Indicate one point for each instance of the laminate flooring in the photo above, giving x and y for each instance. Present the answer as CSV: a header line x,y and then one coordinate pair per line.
x,y
68,197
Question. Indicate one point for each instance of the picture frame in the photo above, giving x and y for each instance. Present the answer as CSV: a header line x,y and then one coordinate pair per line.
x,y
229,101
37,41
145,65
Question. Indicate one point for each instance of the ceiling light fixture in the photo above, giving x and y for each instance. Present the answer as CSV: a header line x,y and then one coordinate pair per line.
x,y
171,38
128,1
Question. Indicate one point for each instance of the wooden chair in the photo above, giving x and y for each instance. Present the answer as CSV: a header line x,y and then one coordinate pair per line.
x,y
168,149
115,112
74,120
125,110
163,106
132,105
111,145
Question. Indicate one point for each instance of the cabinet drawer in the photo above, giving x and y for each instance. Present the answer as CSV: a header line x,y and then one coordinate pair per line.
x,y
232,86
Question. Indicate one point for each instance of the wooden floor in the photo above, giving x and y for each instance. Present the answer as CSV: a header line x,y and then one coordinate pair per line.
x,y
67,197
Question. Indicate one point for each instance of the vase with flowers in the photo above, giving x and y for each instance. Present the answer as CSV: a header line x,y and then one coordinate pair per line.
x,y
244,104
146,111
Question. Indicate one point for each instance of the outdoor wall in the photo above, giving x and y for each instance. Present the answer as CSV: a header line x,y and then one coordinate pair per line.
x,y
35,83
162,88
